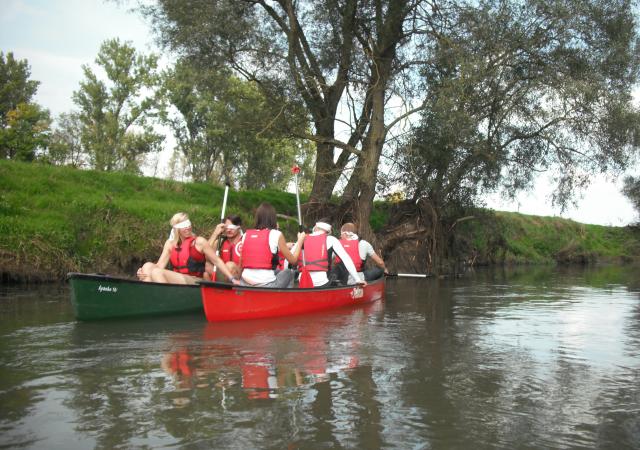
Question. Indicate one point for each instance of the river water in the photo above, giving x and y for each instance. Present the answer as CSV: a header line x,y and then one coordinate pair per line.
x,y
527,358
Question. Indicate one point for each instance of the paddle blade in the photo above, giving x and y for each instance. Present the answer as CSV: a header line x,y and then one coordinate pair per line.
x,y
305,279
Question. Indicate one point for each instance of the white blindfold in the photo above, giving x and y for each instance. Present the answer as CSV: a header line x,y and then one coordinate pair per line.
x,y
323,226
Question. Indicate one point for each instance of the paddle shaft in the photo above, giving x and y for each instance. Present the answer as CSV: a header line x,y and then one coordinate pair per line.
x,y
224,202
224,209
411,275
304,263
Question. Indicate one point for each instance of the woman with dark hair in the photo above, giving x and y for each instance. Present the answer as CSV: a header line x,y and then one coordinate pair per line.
x,y
260,246
226,239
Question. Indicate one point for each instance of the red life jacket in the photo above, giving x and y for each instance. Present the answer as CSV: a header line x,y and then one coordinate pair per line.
x,y
230,252
316,255
185,258
256,253
352,247
280,261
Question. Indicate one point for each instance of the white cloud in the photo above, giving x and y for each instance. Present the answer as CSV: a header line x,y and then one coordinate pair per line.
x,y
602,203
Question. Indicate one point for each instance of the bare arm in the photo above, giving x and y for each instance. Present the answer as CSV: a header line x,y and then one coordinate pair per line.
x,y
379,261
291,257
215,259
215,236
163,261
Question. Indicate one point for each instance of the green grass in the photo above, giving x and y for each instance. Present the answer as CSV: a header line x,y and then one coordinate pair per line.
x,y
57,219
536,239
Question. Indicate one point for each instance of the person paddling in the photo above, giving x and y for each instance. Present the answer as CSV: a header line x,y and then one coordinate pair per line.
x,y
319,248
227,237
260,246
187,254
359,250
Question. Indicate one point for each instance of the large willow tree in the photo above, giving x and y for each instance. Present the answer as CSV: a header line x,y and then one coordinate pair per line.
x,y
361,67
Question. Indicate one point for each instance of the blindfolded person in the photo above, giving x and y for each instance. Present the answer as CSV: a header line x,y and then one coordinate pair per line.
x,y
319,249
187,254
359,250
227,238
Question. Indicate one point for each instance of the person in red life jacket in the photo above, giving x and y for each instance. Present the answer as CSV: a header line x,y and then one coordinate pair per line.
x,y
319,248
359,250
187,254
227,238
260,246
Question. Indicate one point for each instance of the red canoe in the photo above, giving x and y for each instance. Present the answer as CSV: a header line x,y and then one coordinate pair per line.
x,y
224,302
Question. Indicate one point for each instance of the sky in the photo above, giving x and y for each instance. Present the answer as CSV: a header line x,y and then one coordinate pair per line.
x,y
57,37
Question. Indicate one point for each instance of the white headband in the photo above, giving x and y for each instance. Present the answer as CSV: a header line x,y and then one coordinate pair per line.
x,y
323,226
350,235
184,224
232,227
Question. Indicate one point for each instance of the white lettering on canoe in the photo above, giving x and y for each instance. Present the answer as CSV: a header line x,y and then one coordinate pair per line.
x,y
357,292
102,288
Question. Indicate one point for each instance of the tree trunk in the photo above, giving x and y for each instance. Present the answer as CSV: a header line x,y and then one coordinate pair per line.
x,y
368,167
327,175
382,53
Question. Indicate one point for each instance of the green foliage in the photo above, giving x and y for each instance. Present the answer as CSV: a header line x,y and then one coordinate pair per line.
x,y
380,215
226,129
509,88
631,190
65,143
114,116
515,238
15,86
519,88
24,126
26,131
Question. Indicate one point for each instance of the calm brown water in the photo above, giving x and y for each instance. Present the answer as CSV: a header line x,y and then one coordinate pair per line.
x,y
532,358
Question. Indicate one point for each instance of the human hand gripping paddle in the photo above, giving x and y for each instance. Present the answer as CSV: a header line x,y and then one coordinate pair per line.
x,y
305,276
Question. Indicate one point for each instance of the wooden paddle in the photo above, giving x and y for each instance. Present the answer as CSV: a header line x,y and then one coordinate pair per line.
x,y
305,276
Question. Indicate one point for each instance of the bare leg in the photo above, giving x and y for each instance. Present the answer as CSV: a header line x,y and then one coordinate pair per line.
x,y
208,271
168,276
234,269
144,272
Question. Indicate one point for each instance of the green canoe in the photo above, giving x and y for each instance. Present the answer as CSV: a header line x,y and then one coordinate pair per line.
x,y
97,296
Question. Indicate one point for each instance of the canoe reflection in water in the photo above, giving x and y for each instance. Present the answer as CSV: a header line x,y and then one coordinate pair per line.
x,y
265,356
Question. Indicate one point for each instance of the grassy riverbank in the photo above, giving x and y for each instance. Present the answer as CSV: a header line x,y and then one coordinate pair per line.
x,y
54,220
513,238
